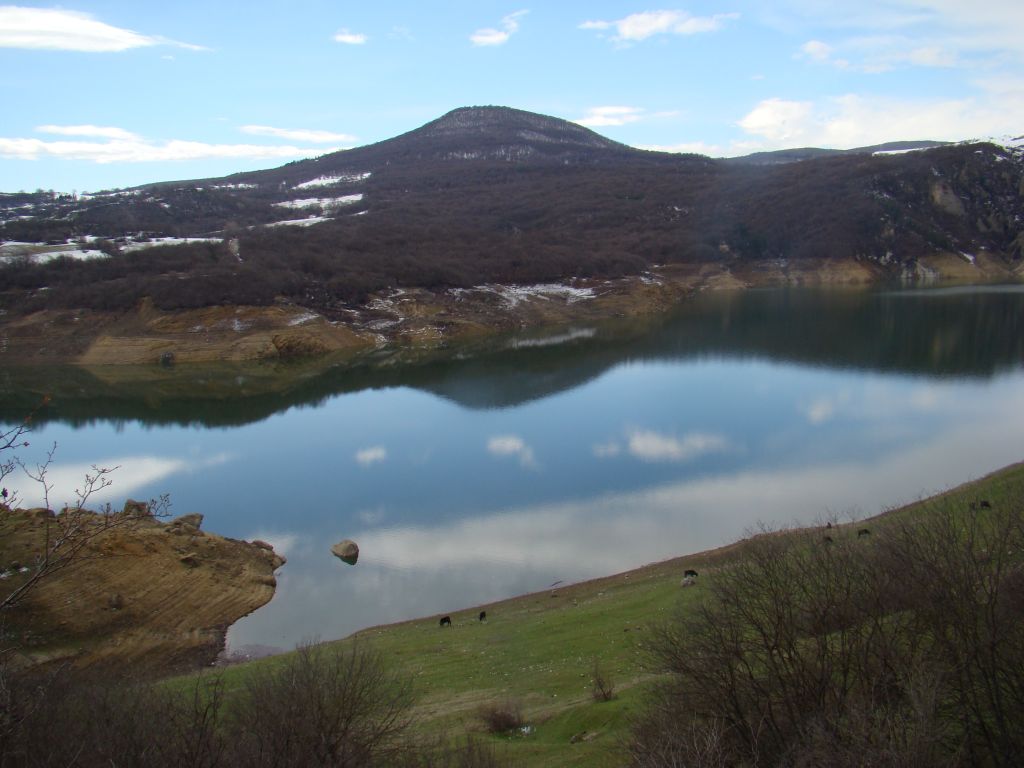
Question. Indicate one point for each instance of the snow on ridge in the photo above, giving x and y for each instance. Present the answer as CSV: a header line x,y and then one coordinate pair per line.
x,y
81,254
1012,144
307,222
321,202
326,181
898,151
129,247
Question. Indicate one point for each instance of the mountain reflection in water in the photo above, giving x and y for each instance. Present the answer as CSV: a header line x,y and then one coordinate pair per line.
x,y
471,474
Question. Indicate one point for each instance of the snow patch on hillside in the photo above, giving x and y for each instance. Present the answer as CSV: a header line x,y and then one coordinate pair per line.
x,y
130,247
326,181
898,151
321,202
513,295
307,222
42,257
304,318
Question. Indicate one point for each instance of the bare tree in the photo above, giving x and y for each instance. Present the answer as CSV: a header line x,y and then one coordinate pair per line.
x,y
902,648
325,706
69,534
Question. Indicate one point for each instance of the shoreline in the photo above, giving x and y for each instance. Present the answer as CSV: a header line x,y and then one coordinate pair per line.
x,y
418,318
675,565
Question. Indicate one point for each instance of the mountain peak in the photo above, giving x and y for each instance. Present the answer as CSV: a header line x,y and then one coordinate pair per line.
x,y
506,133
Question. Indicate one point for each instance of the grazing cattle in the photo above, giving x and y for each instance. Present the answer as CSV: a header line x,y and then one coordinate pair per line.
x,y
827,539
985,504
863,532
689,572
483,615
829,525
446,621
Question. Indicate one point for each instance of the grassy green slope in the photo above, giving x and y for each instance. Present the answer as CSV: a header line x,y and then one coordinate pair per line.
x,y
539,650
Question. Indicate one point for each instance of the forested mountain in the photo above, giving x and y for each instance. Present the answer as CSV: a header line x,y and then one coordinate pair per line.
x,y
492,194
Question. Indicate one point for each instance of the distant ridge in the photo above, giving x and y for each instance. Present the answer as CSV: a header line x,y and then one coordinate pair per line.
x,y
489,194
780,156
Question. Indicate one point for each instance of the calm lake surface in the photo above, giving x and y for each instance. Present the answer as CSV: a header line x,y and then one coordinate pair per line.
x,y
479,474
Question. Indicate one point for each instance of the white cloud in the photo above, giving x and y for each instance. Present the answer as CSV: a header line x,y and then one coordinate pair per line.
x,y
647,445
820,411
640,26
878,54
123,146
816,50
298,134
372,516
687,147
512,445
129,474
60,30
491,36
778,119
854,120
876,36
597,117
96,131
349,38
367,456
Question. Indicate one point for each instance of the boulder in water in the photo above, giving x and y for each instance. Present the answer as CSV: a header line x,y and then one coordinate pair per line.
x,y
347,551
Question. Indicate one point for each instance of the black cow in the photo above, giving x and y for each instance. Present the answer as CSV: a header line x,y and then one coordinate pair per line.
x,y
483,615
863,532
690,572
446,621
985,504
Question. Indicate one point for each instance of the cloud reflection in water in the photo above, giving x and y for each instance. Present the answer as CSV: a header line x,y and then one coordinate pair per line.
x,y
416,570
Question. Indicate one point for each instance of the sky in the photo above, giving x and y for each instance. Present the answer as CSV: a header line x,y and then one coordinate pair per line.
x,y
101,94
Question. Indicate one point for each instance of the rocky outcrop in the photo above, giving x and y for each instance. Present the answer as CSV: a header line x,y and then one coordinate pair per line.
x,y
192,521
160,603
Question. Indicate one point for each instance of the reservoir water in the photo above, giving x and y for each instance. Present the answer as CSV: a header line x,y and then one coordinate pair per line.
x,y
473,474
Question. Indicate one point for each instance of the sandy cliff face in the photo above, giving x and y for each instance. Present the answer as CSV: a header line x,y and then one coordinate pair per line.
x,y
148,597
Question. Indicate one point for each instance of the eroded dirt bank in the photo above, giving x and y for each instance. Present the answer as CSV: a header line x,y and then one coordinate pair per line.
x,y
418,317
158,596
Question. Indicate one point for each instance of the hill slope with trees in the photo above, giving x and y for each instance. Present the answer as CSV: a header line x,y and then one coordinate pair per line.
x,y
496,195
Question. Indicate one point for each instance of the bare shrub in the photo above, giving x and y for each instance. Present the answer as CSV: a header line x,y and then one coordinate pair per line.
x,y
470,752
905,648
502,717
602,687
660,740
323,706
67,718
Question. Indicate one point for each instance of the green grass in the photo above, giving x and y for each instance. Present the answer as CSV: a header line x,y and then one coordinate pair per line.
x,y
539,650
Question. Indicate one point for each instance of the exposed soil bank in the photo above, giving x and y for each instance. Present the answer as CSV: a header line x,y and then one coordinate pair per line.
x,y
156,596
416,317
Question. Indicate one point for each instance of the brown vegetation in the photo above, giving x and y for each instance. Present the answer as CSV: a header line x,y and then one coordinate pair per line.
x,y
901,648
320,707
